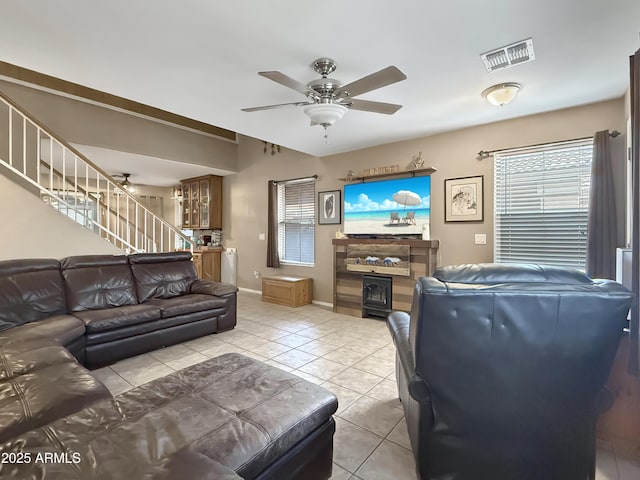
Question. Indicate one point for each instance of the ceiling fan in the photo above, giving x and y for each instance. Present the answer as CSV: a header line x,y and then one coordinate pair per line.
x,y
125,183
328,99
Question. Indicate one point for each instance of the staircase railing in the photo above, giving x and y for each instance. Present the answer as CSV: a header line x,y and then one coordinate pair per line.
x,y
71,183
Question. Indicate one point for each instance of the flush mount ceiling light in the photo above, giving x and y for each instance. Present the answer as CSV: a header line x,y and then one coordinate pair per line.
x,y
502,93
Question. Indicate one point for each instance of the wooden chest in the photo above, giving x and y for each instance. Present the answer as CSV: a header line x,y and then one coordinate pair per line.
x,y
286,290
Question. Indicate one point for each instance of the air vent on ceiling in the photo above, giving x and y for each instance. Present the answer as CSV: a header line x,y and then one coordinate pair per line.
x,y
505,57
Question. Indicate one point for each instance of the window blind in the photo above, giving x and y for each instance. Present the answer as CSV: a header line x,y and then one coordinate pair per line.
x,y
296,221
541,199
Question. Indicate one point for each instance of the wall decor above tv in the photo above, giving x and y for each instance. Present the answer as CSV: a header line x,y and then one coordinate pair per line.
x,y
367,176
398,206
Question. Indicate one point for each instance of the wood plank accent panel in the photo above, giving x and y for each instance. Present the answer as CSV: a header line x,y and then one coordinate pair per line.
x,y
347,286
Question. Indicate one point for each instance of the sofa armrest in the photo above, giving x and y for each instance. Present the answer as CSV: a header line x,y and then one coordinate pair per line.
x,y
208,287
398,323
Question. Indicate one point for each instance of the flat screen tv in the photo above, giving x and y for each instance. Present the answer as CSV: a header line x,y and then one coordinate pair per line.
x,y
388,207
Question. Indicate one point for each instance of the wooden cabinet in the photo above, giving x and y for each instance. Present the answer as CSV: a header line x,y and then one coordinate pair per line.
x,y
207,263
197,262
286,290
202,202
211,264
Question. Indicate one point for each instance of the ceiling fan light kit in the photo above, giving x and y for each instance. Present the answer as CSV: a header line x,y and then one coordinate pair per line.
x,y
126,184
502,93
328,100
325,114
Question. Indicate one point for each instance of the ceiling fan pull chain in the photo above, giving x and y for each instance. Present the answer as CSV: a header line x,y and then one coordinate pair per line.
x,y
326,135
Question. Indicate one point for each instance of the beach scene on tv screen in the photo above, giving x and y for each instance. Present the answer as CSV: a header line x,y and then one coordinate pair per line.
x,y
388,207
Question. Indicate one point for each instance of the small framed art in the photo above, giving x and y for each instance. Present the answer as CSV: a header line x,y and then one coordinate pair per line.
x,y
464,199
329,207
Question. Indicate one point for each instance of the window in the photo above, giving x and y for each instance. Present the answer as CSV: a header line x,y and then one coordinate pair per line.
x,y
296,221
79,207
542,204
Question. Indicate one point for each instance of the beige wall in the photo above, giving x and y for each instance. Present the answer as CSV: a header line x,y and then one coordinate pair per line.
x,y
32,229
245,209
453,154
87,124
168,204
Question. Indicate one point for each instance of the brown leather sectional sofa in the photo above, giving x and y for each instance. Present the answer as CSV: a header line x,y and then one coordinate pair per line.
x,y
103,308
230,417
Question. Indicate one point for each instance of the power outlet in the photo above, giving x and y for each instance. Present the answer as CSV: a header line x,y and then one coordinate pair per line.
x,y
256,274
481,239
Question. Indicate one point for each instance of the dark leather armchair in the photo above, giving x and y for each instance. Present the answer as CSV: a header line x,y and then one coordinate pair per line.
x,y
500,370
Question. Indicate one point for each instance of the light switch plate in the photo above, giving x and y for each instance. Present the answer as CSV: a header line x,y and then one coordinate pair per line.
x,y
481,239
261,236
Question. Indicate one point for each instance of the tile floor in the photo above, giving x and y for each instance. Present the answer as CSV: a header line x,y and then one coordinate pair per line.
x,y
352,357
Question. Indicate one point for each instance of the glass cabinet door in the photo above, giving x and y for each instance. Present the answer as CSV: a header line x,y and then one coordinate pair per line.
x,y
205,202
195,205
186,205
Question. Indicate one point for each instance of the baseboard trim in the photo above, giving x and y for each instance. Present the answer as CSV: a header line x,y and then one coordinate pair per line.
x,y
259,292
322,304
249,290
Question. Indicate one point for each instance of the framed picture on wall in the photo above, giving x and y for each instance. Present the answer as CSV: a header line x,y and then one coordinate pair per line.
x,y
329,207
464,199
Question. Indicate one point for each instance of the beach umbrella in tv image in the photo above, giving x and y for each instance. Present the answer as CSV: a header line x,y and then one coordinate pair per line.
x,y
407,198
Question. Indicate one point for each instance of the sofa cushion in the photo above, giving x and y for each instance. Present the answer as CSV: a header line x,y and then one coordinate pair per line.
x,y
136,332
162,275
209,287
172,307
30,290
94,282
118,317
39,397
111,462
60,329
29,357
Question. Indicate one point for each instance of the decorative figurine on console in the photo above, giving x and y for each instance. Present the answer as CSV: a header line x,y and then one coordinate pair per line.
x,y
418,161
350,175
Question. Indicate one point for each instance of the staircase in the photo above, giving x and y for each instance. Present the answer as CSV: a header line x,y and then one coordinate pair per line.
x,y
69,182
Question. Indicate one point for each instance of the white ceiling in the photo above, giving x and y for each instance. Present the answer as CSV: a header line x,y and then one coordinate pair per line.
x,y
200,58
142,168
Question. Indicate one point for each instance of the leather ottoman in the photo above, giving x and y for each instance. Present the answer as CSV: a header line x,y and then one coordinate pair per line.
x,y
230,415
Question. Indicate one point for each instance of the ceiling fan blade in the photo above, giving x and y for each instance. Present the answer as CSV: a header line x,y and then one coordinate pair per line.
x,y
382,78
269,107
287,81
369,106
